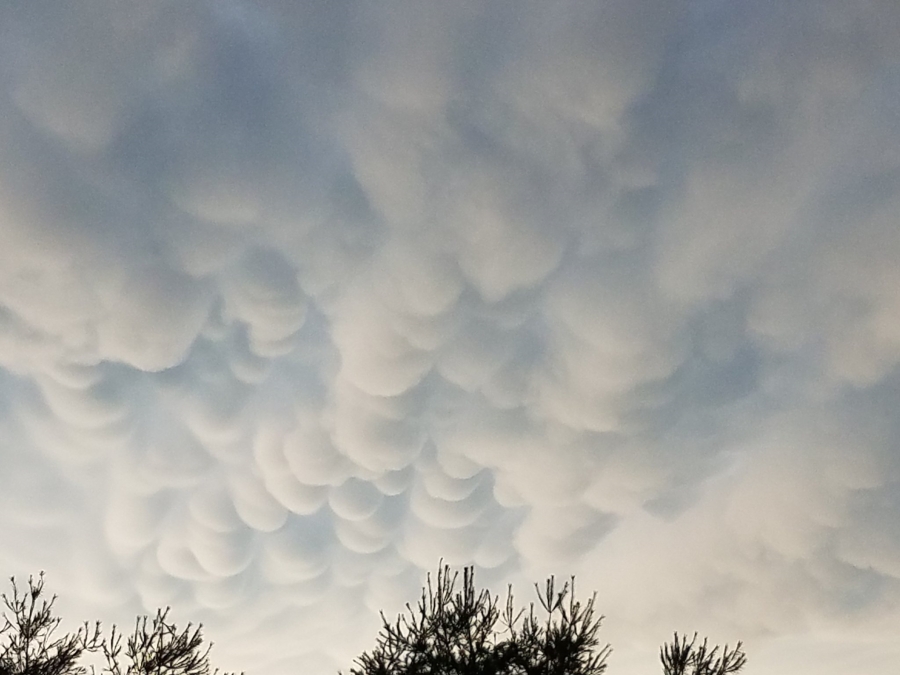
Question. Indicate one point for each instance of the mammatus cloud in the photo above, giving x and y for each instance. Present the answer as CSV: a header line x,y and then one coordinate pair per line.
x,y
298,298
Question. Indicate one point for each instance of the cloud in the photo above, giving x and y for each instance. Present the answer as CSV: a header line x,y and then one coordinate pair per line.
x,y
297,300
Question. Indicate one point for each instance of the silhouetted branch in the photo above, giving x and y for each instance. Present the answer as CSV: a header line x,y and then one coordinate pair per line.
x,y
681,657
463,632
29,646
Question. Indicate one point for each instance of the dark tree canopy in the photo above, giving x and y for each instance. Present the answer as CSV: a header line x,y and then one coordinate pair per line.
x,y
28,641
29,644
157,647
681,657
458,631
452,630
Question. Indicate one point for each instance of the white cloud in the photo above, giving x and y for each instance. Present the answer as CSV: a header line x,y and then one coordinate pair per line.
x,y
296,300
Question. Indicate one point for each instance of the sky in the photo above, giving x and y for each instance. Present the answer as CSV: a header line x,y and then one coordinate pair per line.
x,y
298,298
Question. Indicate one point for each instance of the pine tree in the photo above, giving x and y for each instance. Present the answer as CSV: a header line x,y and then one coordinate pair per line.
x,y
681,657
28,639
29,644
458,631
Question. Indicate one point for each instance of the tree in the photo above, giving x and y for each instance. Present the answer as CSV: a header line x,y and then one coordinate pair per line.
x,y
29,646
460,632
681,657
451,631
158,648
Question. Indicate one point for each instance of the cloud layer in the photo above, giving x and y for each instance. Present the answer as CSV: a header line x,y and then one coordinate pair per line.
x,y
298,298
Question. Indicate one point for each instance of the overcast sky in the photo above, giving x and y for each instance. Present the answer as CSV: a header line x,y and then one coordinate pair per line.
x,y
299,297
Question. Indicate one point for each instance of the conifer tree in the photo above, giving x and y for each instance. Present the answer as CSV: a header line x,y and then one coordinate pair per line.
x,y
30,643
681,657
459,631
456,630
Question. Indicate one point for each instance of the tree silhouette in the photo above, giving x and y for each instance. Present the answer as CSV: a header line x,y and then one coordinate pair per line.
x,y
463,632
458,631
681,657
452,630
158,647
29,646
